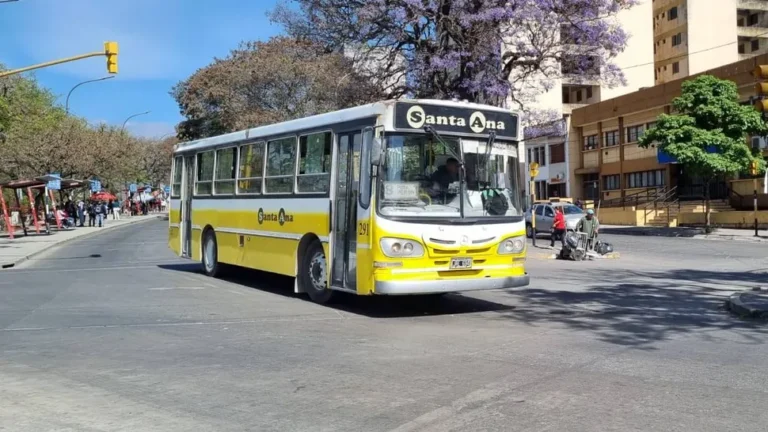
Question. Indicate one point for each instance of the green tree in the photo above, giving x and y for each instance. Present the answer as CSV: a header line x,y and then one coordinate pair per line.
x,y
708,132
267,82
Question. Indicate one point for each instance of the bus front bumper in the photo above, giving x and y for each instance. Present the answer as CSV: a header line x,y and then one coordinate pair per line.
x,y
446,285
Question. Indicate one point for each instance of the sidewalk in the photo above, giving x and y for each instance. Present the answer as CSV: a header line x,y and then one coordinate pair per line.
x,y
687,232
20,249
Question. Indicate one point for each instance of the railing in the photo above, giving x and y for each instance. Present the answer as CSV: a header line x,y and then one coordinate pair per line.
x,y
666,200
635,199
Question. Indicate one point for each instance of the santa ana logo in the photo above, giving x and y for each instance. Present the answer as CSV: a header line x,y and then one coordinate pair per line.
x,y
417,118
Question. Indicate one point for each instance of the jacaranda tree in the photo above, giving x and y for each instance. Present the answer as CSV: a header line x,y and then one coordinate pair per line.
x,y
480,50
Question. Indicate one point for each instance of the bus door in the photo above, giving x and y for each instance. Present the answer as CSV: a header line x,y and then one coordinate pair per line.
x,y
187,190
344,267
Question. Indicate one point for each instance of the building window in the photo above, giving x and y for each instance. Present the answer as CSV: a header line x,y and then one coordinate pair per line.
x,y
753,19
611,138
566,95
677,39
204,177
281,165
755,44
589,92
645,179
538,155
590,142
251,168
315,162
591,186
741,49
634,133
224,182
611,182
676,67
578,96
541,189
557,153
672,14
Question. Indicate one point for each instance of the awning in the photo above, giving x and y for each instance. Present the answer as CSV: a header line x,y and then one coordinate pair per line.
x,y
590,170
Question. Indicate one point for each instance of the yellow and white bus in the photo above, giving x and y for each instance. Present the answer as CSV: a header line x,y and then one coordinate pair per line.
x,y
392,198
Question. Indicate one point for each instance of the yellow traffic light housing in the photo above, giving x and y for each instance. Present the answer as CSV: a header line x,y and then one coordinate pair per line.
x,y
110,50
753,168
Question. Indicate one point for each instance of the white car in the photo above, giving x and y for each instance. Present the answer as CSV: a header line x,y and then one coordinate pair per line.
x,y
545,217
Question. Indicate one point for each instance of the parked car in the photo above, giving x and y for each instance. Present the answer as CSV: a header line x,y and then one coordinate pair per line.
x,y
545,216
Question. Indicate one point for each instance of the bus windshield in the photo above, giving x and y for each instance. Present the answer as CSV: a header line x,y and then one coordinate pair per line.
x,y
424,177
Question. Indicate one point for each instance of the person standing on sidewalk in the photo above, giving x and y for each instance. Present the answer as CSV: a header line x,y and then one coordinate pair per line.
x,y
91,214
558,227
81,213
99,211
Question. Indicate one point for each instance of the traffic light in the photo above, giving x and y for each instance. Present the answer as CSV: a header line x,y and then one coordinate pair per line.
x,y
753,168
110,50
761,88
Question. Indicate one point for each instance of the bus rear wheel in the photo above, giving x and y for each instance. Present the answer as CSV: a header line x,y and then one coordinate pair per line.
x,y
211,266
313,274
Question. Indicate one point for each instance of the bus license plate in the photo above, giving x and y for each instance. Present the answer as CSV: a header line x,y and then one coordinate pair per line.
x,y
461,263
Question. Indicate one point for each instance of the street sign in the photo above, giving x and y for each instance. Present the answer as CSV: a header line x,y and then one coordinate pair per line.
x,y
133,188
54,181
167,189
95,186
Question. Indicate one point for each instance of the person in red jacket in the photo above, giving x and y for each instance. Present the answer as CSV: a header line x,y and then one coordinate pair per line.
x,y
558,227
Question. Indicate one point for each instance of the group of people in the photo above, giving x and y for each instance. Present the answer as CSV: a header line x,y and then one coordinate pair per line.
x,y
588,224
97,213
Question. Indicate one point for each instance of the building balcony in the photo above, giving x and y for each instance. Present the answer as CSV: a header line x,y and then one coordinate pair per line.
x,y
660,6
752,31
761,5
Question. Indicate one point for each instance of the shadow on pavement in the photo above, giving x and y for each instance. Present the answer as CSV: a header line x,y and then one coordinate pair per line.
x,y
639,308
369,306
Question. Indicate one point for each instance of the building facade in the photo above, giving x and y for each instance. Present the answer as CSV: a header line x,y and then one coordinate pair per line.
x,y
548,144
607,162
691,36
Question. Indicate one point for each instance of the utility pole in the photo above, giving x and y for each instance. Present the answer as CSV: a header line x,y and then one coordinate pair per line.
x,y
533,171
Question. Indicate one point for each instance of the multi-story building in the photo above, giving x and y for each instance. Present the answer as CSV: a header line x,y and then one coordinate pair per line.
x,y
546,144
691,36
607,162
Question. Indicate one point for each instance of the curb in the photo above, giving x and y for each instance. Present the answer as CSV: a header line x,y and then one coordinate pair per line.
x,y
736,305
11,265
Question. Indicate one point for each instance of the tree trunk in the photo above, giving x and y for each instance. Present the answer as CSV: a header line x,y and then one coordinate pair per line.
x,y
707,218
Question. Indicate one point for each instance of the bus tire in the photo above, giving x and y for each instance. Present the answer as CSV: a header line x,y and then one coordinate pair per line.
x,y
210,254
313,274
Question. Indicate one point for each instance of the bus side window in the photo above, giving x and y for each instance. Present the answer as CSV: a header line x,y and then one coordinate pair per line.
x,y
365,168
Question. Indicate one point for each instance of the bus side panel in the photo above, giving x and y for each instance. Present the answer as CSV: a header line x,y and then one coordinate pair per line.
x,y
174,232
271,229
365,227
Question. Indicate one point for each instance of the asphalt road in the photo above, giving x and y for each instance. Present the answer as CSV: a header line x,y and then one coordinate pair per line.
x,y
113,333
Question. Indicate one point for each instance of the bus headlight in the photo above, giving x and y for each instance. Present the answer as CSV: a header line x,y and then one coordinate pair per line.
x,y
398,248
512,245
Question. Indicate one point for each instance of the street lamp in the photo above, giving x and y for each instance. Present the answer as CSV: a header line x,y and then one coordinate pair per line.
x,y
130,117
84,82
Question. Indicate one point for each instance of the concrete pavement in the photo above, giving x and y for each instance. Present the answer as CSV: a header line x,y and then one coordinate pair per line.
x,y
114,333
17,250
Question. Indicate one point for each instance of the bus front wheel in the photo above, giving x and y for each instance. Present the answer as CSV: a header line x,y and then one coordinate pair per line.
x,y
211,265
313,274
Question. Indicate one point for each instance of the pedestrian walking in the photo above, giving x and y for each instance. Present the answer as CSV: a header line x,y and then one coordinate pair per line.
x,y
116,210
91,214
558,227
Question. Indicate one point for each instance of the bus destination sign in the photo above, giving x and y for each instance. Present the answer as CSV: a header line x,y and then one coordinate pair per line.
x,y
456,119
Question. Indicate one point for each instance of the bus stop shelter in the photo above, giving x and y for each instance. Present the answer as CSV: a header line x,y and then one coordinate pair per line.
x,y
37,213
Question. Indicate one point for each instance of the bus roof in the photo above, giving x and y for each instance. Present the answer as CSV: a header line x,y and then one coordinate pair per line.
x,y
320,120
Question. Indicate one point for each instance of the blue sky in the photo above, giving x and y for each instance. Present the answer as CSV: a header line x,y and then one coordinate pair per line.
x,y
161,43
